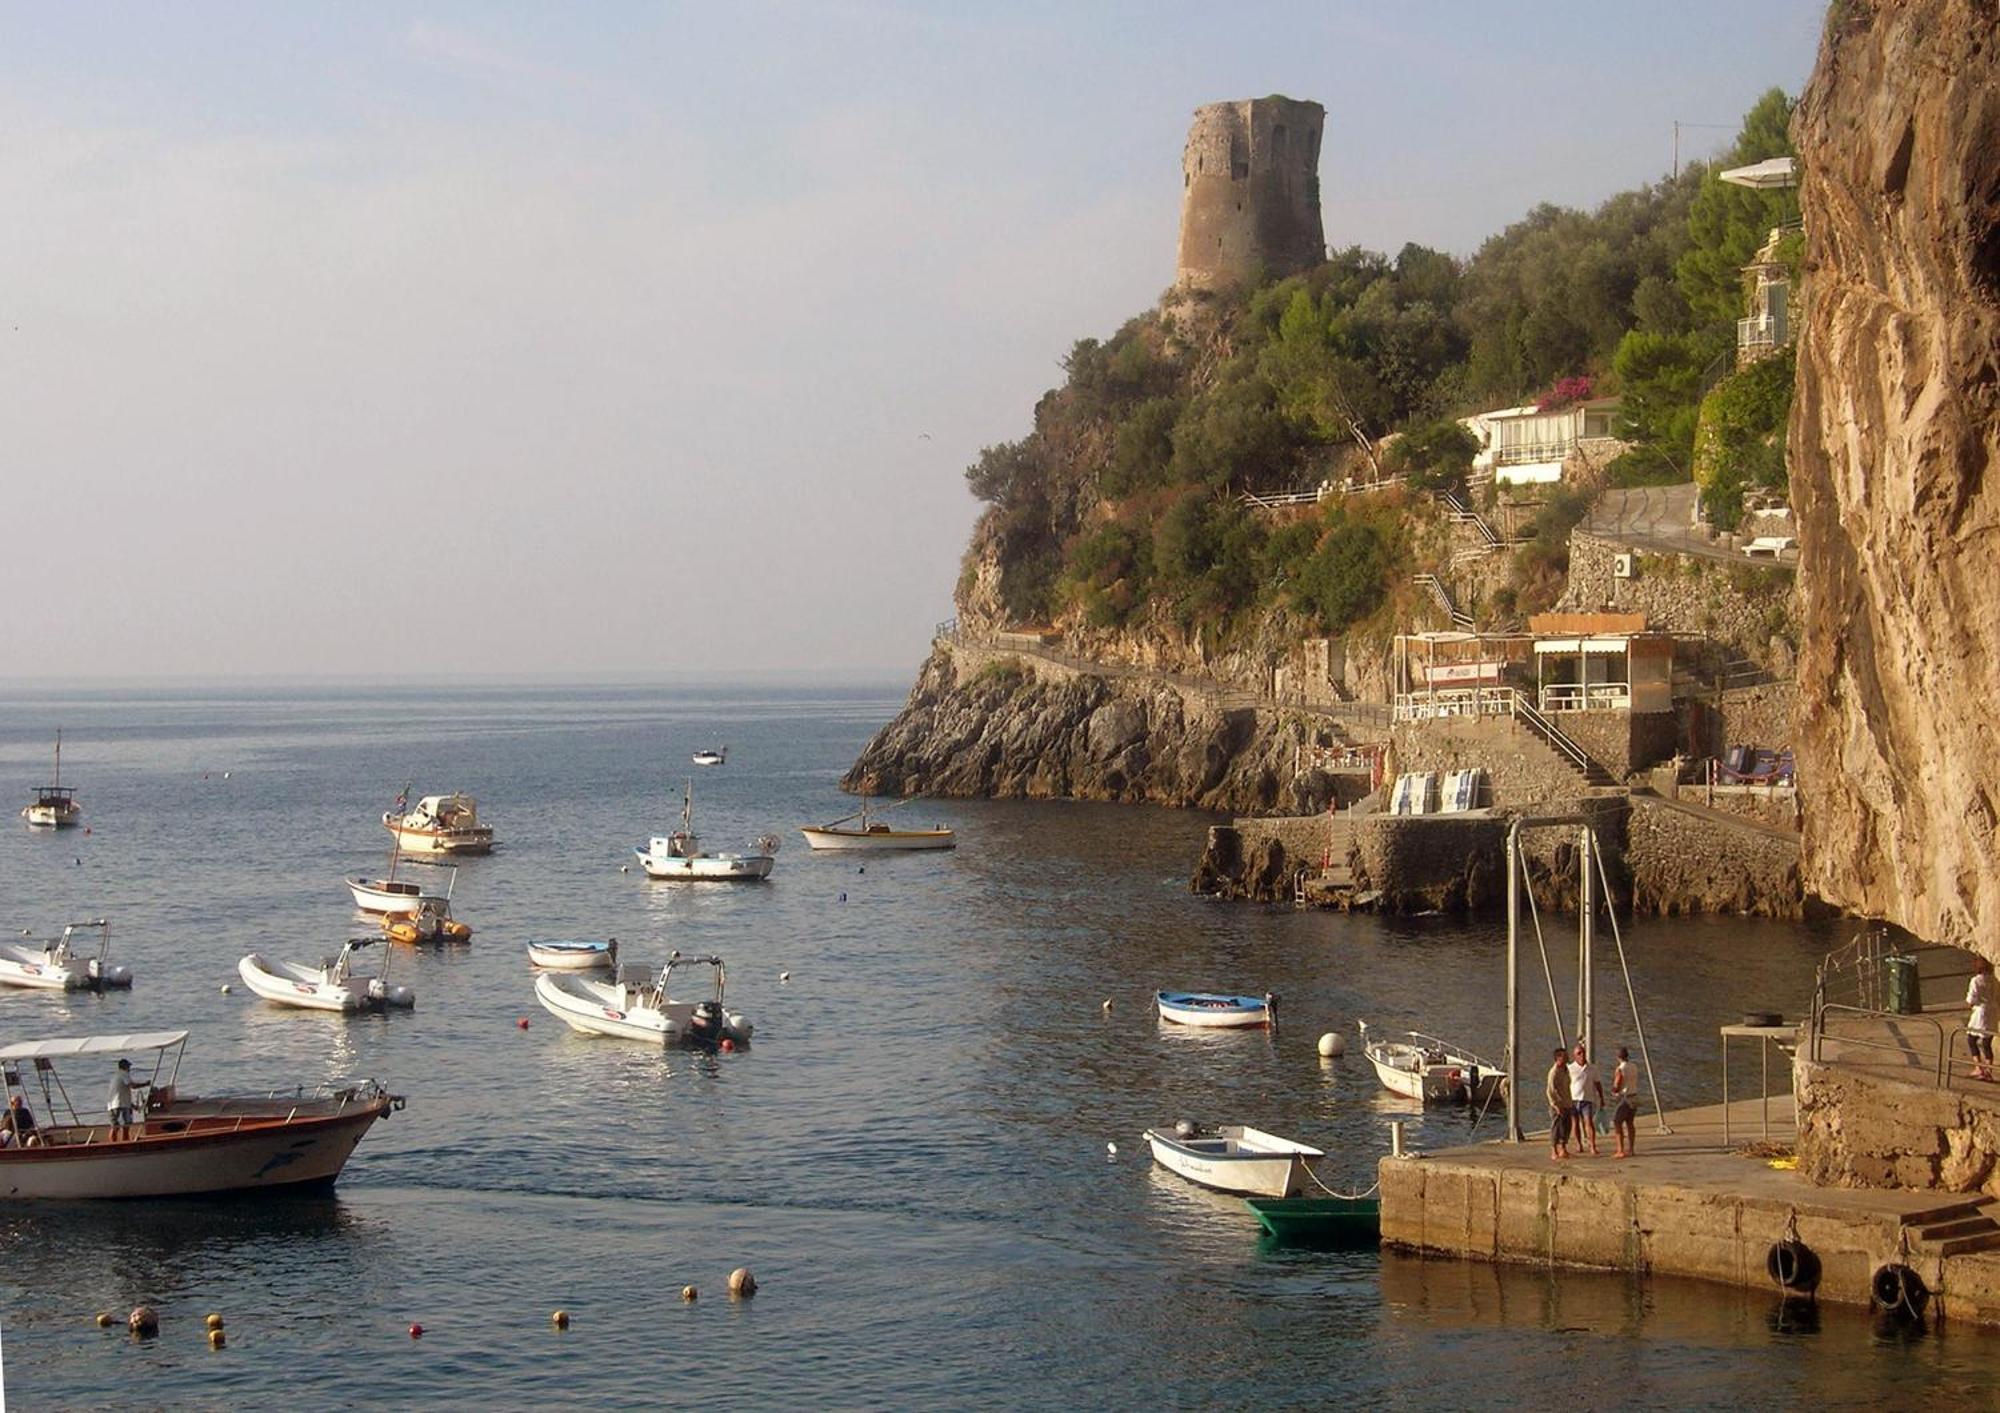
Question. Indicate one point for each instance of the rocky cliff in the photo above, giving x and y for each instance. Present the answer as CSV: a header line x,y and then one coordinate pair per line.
x,y
997,727
1895,442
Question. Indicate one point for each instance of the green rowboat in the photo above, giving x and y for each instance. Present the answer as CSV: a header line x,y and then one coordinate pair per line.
x,y
1320,1221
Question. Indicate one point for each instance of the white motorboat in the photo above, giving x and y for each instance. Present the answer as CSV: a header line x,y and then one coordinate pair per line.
x,y
679,856
62,965
330,986
439,824
640,1007
1429,1070
181,1145
573,956
1215,1009
54,806
1235,1158
711,757
872,834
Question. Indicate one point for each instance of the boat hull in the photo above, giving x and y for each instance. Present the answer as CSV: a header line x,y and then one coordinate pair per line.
x,y
1336,1223
376,895
412,839
1452,1080
1245,1174
1212,1011
265,1156
304,992
706,868
45,817
884,841
606,1008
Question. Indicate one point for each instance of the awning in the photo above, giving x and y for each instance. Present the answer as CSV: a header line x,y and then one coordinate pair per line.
x,y
1529,473
92,1045
1556,647
1769,175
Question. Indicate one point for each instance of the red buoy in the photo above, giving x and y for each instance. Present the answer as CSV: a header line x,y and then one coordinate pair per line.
x,y
728,1046
416,1331
522,1022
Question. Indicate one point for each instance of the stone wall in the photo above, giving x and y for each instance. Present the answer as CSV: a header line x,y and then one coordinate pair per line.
x,y
1763,803
1744,606
1623,742
1860,1129
1521,768
1455,863
1689,860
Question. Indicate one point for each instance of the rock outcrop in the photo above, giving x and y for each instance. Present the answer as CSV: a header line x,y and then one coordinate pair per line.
x,y
1003,730
1895,445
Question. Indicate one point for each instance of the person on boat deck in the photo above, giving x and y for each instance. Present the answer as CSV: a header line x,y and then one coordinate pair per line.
x,y
1625,1089
1560,1105
18,1126
1980,995
1584,1083
119,1102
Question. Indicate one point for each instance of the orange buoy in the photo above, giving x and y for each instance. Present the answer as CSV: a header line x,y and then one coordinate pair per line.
x,y
214,1322
103,1320
216,1339
560,1319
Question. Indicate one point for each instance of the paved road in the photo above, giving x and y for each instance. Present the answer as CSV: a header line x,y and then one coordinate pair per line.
x,y
1661,518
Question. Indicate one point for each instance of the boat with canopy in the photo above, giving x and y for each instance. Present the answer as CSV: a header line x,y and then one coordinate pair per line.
x,y
439,824
180,1145
54,806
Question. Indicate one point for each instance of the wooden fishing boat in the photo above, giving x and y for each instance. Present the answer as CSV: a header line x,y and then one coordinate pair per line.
x,y
54,806
573,956
1330,1222
330,986
1432,1071
640,1008
679,857
180,1145
63,965
1234,1158
440,824
1215,1008
872,834
391,894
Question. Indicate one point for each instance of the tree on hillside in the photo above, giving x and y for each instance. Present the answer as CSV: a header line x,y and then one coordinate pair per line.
x,y
1436,456
1728,224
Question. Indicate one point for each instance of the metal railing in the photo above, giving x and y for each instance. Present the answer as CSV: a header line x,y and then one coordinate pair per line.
x,y
947,630
1597,696
1860,970
1456,701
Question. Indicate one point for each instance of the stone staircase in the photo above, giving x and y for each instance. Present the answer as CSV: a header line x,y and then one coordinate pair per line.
x,y
1972,1225
1459,513
1333,879
1574,756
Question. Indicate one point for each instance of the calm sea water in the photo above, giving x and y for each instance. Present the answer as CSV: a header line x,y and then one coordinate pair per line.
x,y
913,1155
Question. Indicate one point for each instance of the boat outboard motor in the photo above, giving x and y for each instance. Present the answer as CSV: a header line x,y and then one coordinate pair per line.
x,y
705,1025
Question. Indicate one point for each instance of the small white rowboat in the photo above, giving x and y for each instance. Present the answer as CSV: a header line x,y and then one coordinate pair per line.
x,y
573,956
1429,1070
1215,1009
1234,1158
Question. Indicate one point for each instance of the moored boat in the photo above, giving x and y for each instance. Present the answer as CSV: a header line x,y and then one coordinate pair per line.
x,y
330,986
1215,1008
54,806
557,955
711,757
391,894
679,856
179,1145
872,834
641,1008
439,824
1234,1158
1432,1071
1330,1222
62,965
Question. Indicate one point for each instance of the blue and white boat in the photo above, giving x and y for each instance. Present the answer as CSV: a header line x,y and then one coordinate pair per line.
x,y
1212,1008
573,956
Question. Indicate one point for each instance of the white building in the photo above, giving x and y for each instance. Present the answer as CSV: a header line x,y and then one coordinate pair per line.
x,y
1527,446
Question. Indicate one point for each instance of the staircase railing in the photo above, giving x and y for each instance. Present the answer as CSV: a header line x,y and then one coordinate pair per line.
x,y
1441,595
1569,750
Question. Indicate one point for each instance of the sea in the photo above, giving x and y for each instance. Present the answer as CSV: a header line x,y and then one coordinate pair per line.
x,y
930,1157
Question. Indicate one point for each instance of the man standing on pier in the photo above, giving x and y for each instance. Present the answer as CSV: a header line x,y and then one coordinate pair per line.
x,y
1560,1106
1586,1091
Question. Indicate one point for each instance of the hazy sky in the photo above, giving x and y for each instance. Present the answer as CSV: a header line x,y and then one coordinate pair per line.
x,y
356,339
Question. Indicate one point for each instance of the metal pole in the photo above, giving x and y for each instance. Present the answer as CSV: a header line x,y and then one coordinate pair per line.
x,y
1586,974
1513,983
1632,998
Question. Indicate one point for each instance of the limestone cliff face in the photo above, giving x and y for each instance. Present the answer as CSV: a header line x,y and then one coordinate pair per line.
x,y
1006,732
1895,445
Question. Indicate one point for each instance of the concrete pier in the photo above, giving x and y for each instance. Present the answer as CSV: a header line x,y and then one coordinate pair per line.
x,y
1690,1205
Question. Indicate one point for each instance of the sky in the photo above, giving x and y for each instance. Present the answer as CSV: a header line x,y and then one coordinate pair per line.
x,y
632,339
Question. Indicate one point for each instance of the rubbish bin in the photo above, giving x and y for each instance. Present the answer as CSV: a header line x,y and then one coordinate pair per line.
x,y
1905,995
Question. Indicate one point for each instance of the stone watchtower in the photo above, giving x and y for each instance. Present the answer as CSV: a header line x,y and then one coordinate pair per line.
x,y
1250,192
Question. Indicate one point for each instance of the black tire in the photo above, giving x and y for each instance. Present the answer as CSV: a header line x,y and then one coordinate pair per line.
x,y
1794,1266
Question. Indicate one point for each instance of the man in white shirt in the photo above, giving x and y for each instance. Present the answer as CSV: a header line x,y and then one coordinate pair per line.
x,y
119,1102
1586,1091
